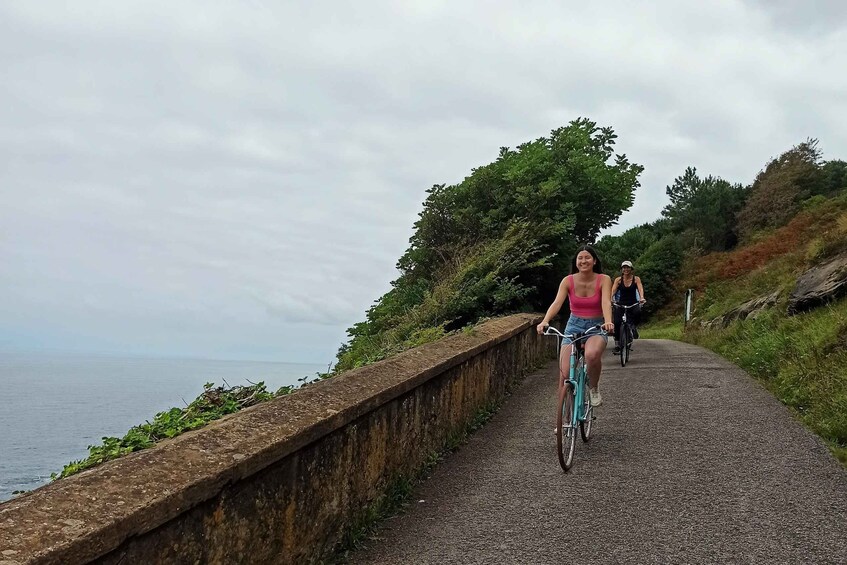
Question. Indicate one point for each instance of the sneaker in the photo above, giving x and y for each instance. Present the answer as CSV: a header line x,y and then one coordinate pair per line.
x,y
617,350
635,333
596,399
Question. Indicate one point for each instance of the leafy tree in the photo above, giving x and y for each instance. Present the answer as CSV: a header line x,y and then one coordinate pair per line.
x,y
500,240
630,245
703,211
778,190
833,177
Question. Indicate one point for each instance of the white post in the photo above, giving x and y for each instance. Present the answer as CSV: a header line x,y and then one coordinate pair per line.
x,y
689,298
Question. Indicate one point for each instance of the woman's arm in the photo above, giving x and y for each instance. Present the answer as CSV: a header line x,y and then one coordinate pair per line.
x,y
640,290
606,303
555,307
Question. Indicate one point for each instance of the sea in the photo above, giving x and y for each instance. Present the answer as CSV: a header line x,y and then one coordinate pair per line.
x,y
53,406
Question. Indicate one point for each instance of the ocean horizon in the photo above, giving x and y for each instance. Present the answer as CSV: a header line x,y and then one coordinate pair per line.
x,y
56,404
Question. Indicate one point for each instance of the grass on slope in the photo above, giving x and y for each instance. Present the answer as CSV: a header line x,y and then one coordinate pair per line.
x,y
801,359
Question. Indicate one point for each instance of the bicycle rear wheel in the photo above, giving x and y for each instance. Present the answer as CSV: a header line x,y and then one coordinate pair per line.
x,y
565,430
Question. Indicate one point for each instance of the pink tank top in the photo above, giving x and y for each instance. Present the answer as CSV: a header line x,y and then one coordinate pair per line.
x,y
587,306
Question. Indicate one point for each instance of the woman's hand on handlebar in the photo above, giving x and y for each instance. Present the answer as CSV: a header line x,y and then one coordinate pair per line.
x,y
541,327
608,327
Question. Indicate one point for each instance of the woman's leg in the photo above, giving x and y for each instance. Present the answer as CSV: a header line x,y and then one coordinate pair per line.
x,y
594,348
564,363
618,319
564,370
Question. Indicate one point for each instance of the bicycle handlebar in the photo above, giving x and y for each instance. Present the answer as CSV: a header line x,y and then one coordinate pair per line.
x,y
550,330
626,307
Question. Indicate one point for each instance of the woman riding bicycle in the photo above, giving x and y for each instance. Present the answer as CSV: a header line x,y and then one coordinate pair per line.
x,y
589,294
627,285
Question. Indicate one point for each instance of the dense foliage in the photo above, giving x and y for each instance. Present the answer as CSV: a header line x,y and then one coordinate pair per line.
x,y
778,190
713,216
500,240
214,403
702,211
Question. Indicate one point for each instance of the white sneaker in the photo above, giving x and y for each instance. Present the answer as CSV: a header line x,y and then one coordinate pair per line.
x,y
596,399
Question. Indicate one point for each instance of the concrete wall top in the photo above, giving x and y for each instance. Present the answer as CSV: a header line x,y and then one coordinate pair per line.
x,y
89,514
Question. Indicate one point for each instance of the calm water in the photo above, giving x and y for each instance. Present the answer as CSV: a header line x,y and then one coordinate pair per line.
x,y
52,407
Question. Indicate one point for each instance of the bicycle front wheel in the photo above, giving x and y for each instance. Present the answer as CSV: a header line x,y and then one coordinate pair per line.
x,y
625,353
565,430
624,345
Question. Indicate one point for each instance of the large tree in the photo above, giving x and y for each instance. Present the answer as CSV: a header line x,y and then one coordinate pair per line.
x,y
705,210
779,189
500,240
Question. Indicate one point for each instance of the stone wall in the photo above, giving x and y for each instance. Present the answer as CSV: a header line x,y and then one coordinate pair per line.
x,y
281,482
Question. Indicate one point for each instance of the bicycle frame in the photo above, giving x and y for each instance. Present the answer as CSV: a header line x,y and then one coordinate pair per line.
x,y
574,400
625,308
624,313
577,380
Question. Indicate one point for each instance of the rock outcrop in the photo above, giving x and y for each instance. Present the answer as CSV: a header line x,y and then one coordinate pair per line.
x,y
750,309
819,285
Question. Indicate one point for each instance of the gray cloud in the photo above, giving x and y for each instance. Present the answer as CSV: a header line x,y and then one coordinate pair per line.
x,y
239,180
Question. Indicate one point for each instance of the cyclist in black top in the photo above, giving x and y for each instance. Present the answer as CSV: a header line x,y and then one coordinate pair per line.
x,y
626,286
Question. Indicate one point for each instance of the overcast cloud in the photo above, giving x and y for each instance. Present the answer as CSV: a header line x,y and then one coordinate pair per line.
x,y
237,180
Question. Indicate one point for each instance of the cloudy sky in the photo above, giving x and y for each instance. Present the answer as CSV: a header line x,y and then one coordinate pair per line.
x,y
237,180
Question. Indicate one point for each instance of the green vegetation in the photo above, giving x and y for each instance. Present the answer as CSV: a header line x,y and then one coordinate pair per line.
x,y
734,243
670,328
214,403
801,359
496,243
499,241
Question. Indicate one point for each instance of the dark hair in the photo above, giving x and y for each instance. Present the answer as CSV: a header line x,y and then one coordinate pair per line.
x,y
598,267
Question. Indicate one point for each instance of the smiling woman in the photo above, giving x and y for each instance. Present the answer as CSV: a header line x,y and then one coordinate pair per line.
x,y
588,292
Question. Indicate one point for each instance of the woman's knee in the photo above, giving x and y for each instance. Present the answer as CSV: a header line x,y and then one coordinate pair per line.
x,y
593,355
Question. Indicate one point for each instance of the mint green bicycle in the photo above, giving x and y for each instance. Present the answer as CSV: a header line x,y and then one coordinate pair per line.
x,y
575,408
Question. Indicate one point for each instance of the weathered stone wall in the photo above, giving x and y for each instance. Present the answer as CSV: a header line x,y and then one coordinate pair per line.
x,y
280,482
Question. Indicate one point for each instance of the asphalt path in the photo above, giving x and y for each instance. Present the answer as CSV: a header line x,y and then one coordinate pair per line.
x,y
691,461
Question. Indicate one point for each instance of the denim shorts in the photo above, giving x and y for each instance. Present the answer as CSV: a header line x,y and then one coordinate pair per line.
x,y
580,325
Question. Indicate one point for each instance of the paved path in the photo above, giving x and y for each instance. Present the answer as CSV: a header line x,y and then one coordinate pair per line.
x,y
712,470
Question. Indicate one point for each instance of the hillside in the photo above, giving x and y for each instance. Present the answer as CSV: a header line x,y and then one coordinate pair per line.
x,y
800,358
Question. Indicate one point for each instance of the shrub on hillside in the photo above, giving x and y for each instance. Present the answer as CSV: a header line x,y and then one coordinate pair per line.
x,y
825,221
482,282
778,190
658,267
833,177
